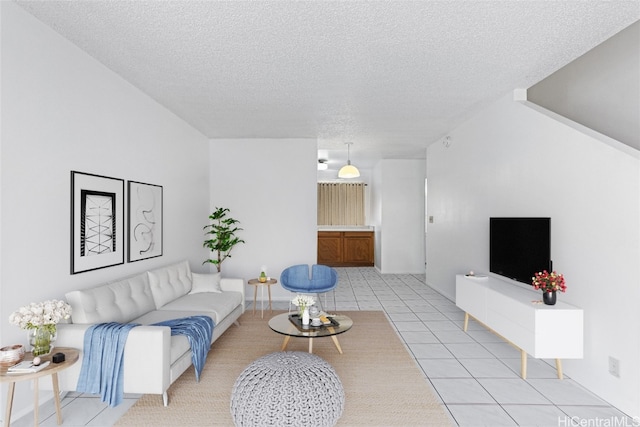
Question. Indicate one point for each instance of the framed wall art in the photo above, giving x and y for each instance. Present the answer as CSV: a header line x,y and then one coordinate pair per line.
x,y
97,222
145,221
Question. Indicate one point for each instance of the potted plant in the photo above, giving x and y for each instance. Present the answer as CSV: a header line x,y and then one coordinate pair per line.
x,y
550,283
222,232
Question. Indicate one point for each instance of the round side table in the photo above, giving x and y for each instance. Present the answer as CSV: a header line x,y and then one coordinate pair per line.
x,y
71,357
256,283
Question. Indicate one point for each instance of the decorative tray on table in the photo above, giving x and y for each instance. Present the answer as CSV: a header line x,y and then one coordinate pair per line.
x,y
297,321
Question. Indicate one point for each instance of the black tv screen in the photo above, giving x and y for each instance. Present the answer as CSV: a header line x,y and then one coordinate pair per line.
x,y
519,247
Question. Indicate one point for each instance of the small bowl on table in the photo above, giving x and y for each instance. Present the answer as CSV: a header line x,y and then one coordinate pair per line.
x,y
10,355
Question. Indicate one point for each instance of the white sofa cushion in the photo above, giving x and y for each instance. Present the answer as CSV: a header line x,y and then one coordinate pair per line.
x,y
169,283
119,301
213,304
205,283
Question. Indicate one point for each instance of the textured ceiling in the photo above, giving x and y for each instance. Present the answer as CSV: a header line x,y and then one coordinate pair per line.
x,y
389,76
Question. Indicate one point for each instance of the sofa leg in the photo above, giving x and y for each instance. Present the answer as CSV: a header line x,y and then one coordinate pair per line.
x,y
165,399
236,323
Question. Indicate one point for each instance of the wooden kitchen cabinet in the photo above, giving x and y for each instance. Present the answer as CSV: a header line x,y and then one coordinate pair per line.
x,y
329,248
345,248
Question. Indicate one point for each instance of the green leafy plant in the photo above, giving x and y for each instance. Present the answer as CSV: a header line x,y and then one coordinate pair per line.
x,y
222,239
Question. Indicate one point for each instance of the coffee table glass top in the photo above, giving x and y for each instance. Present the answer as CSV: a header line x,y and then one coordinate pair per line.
x,y
282,325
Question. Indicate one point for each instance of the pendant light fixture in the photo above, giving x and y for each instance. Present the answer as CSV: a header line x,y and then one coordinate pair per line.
x,y
348,170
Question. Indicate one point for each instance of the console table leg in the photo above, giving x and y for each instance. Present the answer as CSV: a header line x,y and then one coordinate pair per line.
x,y
559,368
36,404
523,364
56,396
7,413
466,321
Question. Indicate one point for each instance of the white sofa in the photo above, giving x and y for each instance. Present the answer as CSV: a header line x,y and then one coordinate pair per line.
x,y
153,359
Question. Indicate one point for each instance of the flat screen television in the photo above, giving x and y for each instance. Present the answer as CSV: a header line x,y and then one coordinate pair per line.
x,y
519,247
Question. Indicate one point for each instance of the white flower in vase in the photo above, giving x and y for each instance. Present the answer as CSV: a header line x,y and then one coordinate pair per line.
x,y
303,302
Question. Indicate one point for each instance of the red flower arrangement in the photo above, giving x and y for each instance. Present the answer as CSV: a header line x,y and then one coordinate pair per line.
x,y
549,282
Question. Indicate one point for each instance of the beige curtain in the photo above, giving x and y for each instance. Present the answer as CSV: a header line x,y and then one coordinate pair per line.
x,y
340,203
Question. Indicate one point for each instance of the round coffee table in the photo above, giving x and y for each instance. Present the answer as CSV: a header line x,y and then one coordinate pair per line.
x,y
283,325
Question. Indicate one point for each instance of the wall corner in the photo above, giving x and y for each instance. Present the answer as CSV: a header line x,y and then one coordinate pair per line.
x,y
520,94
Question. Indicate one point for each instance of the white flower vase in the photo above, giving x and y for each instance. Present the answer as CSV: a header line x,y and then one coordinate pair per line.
x,y
305,316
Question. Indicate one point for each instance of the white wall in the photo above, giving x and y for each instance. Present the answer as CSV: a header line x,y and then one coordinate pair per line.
x,y
332,175
512,160
63,111
269,185
600,89
376,213
399,218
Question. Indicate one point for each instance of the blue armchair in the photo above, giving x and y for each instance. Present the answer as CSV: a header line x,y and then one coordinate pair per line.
x,y
323,279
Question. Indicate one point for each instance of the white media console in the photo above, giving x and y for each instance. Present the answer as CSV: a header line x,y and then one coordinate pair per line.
x,y
519,316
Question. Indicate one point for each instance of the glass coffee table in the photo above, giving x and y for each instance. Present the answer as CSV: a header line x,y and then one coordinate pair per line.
x,y
283,325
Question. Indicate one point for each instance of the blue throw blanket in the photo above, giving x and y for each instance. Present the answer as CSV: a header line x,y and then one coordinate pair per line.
x,y
198,330
101,371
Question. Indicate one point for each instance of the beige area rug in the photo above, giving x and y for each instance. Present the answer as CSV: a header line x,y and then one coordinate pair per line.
x,y
383,385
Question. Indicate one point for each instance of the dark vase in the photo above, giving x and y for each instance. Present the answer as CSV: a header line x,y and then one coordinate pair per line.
x,y
549,298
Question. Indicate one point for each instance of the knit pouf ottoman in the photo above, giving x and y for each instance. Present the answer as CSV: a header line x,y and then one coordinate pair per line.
x,y
288,388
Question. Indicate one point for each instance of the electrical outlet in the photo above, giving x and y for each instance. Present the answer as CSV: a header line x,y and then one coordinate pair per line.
x,y
614,367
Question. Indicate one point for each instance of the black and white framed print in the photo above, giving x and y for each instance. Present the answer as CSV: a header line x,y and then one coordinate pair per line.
x,y
97,222
145,221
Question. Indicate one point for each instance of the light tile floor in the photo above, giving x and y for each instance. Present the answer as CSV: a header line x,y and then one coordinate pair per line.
x,y
475,374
